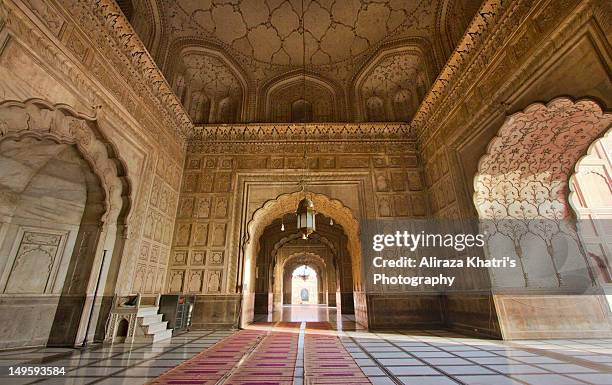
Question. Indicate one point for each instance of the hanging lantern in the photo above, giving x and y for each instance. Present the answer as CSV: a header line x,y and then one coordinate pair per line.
x,y
306,217
304,274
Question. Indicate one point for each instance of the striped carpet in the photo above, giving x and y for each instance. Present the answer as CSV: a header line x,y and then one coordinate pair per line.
x,y
326,361
273,360
208,367
266,354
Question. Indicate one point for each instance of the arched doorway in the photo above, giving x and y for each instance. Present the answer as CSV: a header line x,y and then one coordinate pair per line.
x,y
282,249
521,195
311,265
304,286
258,278
63,204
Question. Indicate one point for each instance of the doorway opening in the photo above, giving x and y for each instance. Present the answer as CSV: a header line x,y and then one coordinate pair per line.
x,y
304,286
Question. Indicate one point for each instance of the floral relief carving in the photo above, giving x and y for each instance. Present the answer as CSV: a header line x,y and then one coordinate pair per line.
x,y
524,174
521,188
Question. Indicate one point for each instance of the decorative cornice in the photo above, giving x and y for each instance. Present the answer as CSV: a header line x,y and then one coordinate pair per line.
x,y
49,38
436,103
297,132
496,55
142,74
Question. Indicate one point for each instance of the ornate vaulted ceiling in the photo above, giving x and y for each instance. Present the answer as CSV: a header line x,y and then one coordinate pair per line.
x,y
243,60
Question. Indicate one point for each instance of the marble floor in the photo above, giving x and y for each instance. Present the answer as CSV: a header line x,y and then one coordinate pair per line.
x,y
129,364
426,357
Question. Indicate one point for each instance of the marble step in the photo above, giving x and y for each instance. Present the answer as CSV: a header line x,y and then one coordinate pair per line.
x,y
156,327
162,335
147,310
151,319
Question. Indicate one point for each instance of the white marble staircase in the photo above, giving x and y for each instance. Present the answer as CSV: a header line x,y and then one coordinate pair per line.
x,y
153,328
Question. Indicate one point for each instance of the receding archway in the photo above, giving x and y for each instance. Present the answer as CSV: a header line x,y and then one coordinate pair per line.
x,y
305,285
290,265
286,204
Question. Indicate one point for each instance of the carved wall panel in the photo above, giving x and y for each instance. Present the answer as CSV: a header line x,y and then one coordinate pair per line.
x,y
392,166
442,196
176,280
164,206
36,260
214,281
200,234
198,257
522,189
195,281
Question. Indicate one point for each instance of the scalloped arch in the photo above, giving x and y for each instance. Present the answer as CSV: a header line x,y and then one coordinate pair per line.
x,y
291,237
572,196
301,254
286,203
533,155
61,123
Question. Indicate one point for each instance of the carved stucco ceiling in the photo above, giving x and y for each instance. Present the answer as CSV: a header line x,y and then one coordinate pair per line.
x,y
270,31
242,48
209,74
392,74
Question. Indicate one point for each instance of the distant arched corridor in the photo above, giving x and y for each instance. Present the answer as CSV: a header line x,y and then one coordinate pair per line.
x,y
304,286
280,192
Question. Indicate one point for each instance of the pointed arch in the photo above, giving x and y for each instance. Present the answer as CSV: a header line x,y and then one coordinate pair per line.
x,y
285,204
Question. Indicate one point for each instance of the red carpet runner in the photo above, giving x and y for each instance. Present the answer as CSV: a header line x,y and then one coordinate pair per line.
x,y
212,364
326,361
273,360
267,356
